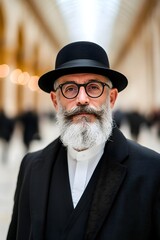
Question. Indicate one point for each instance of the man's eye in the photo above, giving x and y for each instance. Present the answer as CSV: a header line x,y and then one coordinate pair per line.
x,y
93,87
71,88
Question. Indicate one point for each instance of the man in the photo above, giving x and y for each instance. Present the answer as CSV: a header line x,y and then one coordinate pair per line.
x,y
91,183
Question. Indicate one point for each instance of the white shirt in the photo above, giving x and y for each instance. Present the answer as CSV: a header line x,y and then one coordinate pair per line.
x,y
81,166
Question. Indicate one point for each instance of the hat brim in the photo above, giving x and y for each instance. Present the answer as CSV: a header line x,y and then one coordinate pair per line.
x,y
47,80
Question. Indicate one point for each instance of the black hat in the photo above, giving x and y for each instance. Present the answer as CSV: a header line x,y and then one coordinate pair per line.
x,y
82,57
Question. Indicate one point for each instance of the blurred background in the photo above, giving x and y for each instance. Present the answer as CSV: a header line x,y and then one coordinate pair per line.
x,y
31,34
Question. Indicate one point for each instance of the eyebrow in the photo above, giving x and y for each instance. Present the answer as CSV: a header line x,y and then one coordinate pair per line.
x,y
90,80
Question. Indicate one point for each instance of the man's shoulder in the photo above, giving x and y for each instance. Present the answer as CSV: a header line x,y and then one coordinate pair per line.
x,y
124,148
40,154
143,158
141,150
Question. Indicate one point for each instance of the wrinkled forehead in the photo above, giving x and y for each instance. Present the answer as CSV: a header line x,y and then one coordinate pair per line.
x,y
81,78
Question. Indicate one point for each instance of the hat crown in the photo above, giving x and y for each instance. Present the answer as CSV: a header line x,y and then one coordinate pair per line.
x,y
82,50
82,57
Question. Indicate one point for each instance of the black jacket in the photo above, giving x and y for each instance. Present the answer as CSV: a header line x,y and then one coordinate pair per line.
x,y
126,201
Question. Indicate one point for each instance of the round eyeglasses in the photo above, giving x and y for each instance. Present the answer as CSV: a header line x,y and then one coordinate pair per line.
x,y
94,89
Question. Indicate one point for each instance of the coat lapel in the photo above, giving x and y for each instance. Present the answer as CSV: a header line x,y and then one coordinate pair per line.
x,y
40,181
112,174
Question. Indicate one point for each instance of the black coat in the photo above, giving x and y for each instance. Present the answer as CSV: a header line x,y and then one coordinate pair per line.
x,y
126,201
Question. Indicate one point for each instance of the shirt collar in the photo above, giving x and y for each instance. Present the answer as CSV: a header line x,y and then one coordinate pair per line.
x,y
85,154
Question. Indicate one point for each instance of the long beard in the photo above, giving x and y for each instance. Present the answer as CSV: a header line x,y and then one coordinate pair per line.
x,y
85,134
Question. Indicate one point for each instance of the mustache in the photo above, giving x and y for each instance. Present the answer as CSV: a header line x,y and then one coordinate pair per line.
x,y
83,109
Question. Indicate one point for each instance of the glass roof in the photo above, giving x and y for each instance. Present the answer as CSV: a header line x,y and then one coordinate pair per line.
x,y
106,22
91,20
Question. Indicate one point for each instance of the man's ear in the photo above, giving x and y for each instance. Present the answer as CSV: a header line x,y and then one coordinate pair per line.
x,y
113,96
54,100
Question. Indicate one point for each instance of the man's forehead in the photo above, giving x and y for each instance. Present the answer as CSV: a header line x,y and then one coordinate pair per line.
x,y
81,77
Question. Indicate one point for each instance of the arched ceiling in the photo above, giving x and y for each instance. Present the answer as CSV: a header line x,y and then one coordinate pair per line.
x,y
112,23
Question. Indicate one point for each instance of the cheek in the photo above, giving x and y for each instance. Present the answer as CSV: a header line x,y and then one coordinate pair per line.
x,y
66,103
99,102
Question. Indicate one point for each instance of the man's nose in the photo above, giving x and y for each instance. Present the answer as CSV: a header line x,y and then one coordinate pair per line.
x,y
82,97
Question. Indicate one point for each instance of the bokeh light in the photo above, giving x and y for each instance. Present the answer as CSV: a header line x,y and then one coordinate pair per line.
x,y
4,70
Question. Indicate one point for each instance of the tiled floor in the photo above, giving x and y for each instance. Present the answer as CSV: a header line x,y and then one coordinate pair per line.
x,y
9,170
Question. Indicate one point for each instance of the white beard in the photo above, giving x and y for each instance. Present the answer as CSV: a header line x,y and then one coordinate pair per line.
x,y
85,134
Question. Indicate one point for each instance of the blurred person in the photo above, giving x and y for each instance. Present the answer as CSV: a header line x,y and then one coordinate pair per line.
x,y
135,121
30,127
7,125
154,120
91,182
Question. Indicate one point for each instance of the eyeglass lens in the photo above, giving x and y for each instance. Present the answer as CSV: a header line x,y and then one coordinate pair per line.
x,y
93,89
